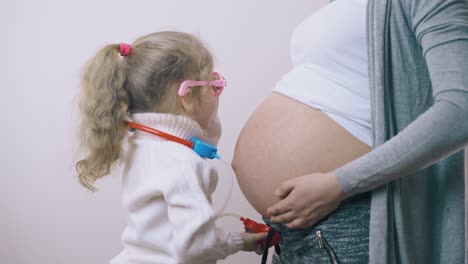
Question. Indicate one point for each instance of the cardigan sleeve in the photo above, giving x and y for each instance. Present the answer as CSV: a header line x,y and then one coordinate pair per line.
x,y
441,28
196,237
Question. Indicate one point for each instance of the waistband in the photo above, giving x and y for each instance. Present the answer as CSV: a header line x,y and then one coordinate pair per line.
x,y
351,207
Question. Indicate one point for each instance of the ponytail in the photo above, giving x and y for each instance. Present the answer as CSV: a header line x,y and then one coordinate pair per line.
x,y
104,106
121,80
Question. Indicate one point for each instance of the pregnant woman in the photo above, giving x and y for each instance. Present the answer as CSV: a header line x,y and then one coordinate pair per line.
x,y
382,104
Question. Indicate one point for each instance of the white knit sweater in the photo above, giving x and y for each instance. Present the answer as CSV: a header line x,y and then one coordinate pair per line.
x,y
167,192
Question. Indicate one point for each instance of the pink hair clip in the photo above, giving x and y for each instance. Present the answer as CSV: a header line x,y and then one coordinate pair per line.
x,y
125,49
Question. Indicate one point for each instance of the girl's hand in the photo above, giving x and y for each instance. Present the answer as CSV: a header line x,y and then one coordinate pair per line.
x,y
306,199
213,131
251,242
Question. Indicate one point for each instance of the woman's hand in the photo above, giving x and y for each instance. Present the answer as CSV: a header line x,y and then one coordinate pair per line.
x,y
306,199
251,242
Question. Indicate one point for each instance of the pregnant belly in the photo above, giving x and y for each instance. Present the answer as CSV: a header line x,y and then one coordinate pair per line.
x,y
284,139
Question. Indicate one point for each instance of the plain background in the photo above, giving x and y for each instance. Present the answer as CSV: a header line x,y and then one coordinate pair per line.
x,y
46,216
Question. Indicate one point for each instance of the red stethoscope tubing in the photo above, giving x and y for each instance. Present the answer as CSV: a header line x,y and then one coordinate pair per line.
x,y
159,134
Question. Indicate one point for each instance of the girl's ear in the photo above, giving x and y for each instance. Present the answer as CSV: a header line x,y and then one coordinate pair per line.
x,y
188,103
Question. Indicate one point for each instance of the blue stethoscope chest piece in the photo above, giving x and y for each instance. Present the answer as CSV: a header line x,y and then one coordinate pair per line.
x,y
204,149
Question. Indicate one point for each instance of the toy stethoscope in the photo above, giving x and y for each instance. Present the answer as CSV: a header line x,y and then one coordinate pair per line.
x,y
202,148
206,150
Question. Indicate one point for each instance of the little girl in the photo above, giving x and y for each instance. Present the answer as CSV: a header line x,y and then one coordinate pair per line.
x,y
163,81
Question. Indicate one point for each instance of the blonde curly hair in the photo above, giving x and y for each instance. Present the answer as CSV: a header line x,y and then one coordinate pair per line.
x,y
146,80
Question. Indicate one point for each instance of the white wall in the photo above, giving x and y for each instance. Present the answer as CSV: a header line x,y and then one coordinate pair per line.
x,y
46,216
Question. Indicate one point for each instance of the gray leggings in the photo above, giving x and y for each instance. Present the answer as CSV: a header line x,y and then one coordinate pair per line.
x,y
346,233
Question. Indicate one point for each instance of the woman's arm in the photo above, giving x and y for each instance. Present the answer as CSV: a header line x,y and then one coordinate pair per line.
x,y
441,28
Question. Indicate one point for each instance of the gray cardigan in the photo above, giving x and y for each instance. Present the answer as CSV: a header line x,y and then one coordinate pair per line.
x,y
418,63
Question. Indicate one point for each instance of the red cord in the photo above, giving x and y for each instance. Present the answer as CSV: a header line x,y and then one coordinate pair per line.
x,y
159,133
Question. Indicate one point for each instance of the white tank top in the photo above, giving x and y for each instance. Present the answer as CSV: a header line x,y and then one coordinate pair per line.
x,y
330,73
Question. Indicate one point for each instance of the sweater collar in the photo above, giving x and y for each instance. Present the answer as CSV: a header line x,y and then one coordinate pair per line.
x,y
176,125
